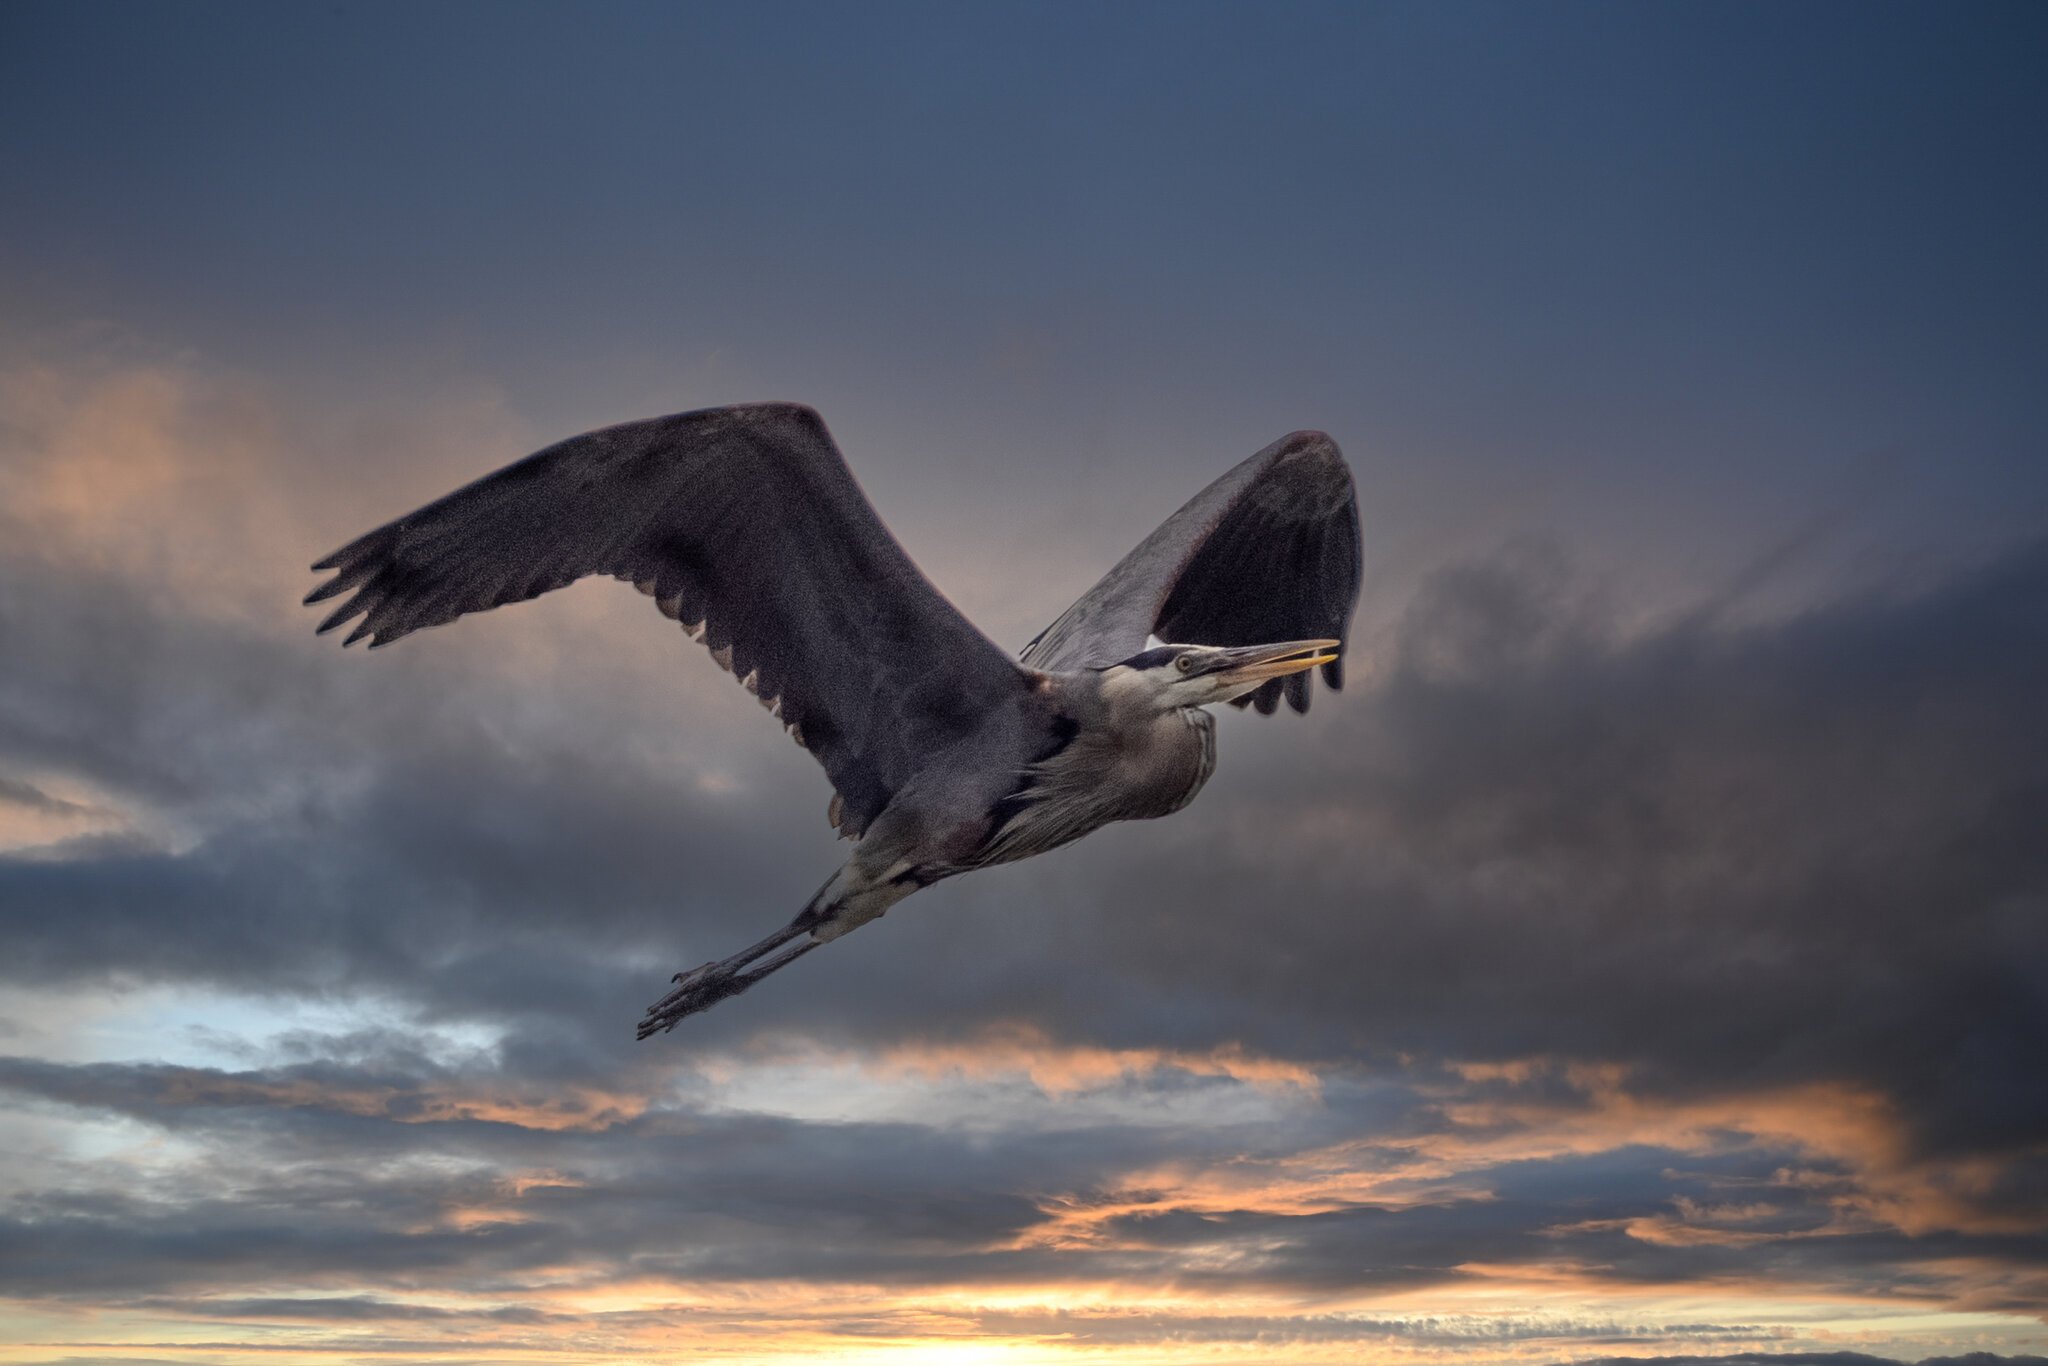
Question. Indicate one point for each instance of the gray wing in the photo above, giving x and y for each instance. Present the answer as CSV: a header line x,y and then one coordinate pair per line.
x,y
1267,553
746,526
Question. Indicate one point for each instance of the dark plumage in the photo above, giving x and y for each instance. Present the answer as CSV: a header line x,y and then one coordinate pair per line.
x,y
944,753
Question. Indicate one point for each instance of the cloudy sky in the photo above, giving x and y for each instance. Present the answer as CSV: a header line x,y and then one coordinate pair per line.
x,y
1646,956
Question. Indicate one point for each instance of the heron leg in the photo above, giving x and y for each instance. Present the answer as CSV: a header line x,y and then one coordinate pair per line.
x,y
714,982
849,900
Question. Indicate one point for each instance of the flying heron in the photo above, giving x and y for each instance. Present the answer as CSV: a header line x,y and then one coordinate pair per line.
x,y
945,754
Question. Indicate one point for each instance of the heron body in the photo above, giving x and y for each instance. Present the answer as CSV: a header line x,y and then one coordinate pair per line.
x,y
945,753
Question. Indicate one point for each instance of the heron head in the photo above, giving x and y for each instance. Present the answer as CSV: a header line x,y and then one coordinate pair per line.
x,y
1197,675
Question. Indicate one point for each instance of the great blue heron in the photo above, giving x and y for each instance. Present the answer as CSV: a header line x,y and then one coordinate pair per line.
x,y
946,755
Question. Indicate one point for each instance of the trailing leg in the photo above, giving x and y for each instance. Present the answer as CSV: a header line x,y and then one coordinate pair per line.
x,y
845,903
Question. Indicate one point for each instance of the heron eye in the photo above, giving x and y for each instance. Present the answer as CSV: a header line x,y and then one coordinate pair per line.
x,y
1185,663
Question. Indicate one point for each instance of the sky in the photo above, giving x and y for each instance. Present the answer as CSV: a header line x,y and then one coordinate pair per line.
x,y
1644,958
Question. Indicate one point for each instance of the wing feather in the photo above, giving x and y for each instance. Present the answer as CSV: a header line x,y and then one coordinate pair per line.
x,y
746,527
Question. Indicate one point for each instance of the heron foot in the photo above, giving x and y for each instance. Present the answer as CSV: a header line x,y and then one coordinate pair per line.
x,y
702,988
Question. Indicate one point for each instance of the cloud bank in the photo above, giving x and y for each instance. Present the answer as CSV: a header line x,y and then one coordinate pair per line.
x,y
1568,984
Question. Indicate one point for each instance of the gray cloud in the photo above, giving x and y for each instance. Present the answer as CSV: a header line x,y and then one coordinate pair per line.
x,y
1755,855
320,1174
1725,860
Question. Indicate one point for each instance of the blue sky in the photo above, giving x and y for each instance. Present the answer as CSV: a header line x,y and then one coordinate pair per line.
x,y
1642,957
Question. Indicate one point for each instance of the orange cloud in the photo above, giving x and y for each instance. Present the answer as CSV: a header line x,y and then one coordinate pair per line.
x,y
1057,1069
1859,1128
152,470
1879,1184
206,483
39,809
557,1108
1061,1069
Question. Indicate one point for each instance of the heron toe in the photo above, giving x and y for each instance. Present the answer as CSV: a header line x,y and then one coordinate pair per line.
x,y
703,988
698,989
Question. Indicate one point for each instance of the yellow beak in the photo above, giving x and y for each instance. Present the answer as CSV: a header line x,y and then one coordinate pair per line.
x,y
1257,663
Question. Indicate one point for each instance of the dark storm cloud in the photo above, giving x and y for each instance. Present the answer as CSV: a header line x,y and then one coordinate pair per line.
x,y
319,1170
375,827
1764,854
1725,855
729,1198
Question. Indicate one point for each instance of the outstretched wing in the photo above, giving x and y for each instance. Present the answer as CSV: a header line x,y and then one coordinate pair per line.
x,y
746,526
1267,553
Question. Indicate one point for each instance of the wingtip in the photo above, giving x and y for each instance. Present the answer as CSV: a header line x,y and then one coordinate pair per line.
x,y
772,412
1310,442
338,616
